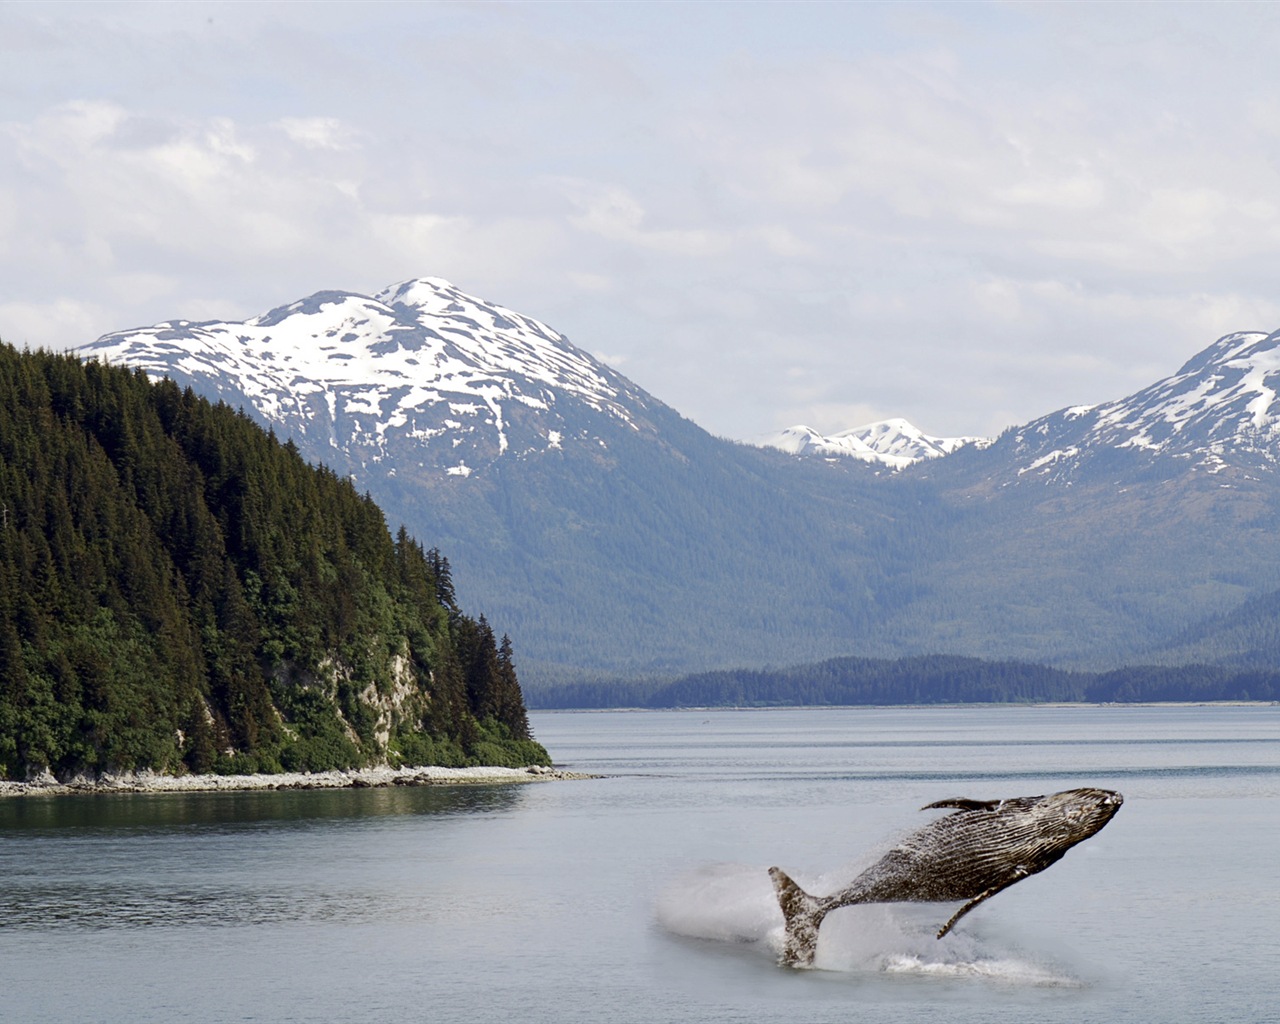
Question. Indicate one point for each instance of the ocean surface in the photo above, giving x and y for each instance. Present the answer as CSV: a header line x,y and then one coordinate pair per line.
x,y
642,896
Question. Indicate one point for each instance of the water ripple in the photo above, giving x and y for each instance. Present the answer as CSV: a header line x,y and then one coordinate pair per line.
x,y
90,906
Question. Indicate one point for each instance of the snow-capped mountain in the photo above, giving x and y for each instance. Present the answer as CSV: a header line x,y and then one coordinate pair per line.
x,y
893,443
420,365
609,534
1218,412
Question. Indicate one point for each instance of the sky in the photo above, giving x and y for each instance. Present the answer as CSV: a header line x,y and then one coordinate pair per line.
x,y
765,214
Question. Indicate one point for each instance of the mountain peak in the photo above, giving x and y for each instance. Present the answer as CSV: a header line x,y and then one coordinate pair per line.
x,y
894,443
1239,345
463,379
1220,410
420,292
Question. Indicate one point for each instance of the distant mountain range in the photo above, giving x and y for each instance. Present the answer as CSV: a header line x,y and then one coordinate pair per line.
x,y
608,534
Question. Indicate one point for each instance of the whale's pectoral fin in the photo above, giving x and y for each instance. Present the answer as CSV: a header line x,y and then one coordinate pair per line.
x,y
803,914
963,804
1019,874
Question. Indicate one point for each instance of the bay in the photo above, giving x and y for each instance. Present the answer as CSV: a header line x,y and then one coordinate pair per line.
x,y
642,895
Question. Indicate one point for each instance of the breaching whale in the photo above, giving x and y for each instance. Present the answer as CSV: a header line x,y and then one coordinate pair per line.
x,y
980,849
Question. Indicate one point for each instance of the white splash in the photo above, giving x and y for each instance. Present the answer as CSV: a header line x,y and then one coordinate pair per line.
x,y
735,903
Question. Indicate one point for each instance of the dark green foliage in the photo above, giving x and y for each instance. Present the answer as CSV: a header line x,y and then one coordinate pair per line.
x,y
179,591
937,679
1184,683
1246,636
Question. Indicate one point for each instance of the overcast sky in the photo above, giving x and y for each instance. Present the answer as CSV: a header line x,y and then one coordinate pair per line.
x,y
764,214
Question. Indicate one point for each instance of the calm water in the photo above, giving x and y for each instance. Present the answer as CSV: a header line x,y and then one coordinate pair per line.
x,y
642,896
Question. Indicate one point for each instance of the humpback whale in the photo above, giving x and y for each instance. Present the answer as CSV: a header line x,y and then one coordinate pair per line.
x,y
978,850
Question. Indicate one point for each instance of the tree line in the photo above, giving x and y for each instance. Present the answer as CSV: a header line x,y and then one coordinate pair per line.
x,y
933,679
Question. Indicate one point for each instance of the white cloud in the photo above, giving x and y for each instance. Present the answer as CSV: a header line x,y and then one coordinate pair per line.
x,y
588,281
964,216
317,132
43,325
613,213
1079,192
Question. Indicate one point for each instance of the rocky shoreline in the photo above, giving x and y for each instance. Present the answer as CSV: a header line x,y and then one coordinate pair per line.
x,y
355,778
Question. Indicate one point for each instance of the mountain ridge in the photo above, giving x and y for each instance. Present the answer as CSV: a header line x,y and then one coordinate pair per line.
x,y
1218,412
609,533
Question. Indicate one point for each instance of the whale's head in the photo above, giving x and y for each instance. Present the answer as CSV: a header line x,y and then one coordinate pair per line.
x,y
1073,815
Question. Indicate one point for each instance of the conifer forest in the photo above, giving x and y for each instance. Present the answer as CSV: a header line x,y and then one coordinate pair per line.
x,y
181,592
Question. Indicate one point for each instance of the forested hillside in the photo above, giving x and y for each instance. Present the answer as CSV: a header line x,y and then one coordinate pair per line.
x,y
1248,635
180,592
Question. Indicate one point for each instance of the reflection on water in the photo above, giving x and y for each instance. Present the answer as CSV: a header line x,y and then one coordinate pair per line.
x,y
136,905
108,811
223,859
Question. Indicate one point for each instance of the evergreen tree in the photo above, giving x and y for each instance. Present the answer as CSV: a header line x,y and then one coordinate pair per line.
x,y
511,708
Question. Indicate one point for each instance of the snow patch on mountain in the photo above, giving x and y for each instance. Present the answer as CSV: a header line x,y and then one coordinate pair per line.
x,y
893,443
420,361
1219,409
